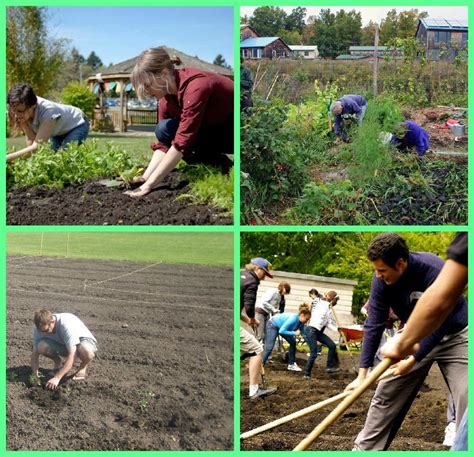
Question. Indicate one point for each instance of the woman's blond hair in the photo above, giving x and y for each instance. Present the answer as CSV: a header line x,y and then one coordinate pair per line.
x,y
305,309
149,66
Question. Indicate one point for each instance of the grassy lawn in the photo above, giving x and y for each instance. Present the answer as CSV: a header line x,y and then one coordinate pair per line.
x,y
189,248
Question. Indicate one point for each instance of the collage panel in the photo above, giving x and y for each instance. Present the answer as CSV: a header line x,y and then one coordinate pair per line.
x,y
353,341
112,342
120,115
354,115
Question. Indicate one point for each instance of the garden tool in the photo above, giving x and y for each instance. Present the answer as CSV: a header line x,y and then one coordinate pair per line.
x,y
343,337
345,404
304,412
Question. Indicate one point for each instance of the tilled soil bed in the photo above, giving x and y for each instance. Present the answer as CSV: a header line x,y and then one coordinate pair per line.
x,y
163,375
423,428
95,204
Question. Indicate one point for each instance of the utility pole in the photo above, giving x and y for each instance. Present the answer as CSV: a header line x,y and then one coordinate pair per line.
x,y
376,62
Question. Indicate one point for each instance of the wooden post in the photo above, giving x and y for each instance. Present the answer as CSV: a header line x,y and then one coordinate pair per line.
x,y
376,64
122,90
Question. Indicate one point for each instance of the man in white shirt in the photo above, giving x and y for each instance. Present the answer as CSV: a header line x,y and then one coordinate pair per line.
x,y
61,335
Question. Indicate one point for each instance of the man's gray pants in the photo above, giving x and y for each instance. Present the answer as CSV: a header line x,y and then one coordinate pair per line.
x,y
394,396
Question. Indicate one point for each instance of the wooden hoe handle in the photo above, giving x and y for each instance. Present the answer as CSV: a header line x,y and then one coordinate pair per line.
x,y
345,404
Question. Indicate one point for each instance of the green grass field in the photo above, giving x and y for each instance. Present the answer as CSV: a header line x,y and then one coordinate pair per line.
x,y
190,248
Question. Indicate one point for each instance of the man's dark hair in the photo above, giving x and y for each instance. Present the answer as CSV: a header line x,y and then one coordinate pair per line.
x,y
22,94
389,247
314,292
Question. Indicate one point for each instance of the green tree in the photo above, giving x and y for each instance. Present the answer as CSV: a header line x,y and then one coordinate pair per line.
x,y
400,25
368,34
332,254
295,21
79,95
31,55
348,30
94,61
291,36
268,20
219,60
325,33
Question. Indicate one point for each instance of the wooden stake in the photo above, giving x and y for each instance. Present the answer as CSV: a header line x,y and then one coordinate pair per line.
x,y
345,404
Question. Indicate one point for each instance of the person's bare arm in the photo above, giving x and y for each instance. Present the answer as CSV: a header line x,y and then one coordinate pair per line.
x,y
430,312
164,168
44,134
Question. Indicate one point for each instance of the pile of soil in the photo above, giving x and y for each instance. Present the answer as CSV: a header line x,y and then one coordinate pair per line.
x,y
423,428
163,375
95,204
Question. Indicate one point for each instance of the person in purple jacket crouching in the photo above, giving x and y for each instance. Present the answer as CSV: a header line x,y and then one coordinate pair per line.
x,y
400,279
414,137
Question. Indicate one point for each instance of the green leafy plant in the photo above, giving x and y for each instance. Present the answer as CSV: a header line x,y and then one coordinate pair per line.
x,y
208,186
144,401
80,96
72,165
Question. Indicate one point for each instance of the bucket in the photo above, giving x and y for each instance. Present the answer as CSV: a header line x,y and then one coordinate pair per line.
x,y
458,129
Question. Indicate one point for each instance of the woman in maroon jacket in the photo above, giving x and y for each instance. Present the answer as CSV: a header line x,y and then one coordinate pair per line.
x,y
195,118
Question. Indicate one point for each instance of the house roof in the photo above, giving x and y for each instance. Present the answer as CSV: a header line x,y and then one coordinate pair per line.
x,y
125,68
351,57
259,42
302,47
367,48
432,23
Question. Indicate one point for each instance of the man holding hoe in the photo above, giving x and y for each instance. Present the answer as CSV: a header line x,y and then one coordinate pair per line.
x,y
401,278
61,335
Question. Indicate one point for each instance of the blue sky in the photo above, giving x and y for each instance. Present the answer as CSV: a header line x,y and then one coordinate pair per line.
x,y
120,33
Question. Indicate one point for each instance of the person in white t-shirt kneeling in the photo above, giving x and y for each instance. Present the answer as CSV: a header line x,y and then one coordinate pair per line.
x,y
61,335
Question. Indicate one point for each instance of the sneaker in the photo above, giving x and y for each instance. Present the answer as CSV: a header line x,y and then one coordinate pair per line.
x,y
294,367
263,393
449,434
306,377
333,370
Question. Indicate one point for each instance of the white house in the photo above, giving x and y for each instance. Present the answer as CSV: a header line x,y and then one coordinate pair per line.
x,y
301,285
305,51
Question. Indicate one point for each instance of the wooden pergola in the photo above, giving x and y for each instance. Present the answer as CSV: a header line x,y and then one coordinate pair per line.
x,y
117,78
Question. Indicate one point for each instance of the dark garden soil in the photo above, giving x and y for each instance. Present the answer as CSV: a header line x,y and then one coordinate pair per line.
x,y
423,428
95,204
163,375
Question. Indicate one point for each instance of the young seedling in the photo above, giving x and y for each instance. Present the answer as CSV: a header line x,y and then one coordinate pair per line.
x,y
36,380
145,400
130,176
12,376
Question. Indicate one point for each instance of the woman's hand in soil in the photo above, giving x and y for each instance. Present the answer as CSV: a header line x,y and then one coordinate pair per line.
x,y
404,366
138,193
53,383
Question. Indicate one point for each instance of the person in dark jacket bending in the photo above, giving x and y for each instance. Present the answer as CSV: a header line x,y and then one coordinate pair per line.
x,y
250,278
345,107
414,137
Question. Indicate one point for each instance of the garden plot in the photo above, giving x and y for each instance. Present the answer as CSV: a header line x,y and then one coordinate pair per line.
x,y
93,203
423,428
163,375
